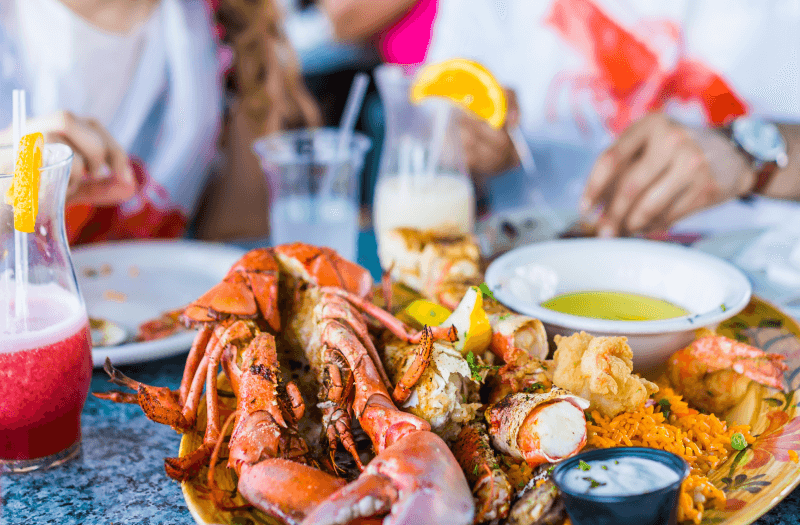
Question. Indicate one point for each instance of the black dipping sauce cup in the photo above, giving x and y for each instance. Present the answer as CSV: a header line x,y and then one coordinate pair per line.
x,y
658,507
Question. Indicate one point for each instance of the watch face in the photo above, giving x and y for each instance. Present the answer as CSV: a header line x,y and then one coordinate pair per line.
x,y
760,139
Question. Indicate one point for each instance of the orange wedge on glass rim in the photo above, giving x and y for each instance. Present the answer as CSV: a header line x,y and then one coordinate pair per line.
x,y
467,84
23,194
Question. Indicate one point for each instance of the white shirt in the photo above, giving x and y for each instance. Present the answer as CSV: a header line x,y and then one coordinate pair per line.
x,y
752,45
157,88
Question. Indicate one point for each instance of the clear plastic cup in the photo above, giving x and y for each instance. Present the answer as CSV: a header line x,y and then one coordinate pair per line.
x,y
315,190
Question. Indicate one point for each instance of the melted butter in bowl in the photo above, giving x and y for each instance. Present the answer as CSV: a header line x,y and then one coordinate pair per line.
x,y
614,306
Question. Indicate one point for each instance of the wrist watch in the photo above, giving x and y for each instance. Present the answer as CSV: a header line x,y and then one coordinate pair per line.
x,y
762,145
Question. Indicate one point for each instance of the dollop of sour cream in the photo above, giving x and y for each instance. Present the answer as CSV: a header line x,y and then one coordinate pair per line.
x,y
621,476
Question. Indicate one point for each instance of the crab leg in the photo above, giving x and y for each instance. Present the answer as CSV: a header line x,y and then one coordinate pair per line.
x,y
186,467
159,404
490,484
196,354
393,324
420,362
334,309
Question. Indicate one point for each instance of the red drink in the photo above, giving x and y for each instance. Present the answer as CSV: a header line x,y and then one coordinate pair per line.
x,y
45,374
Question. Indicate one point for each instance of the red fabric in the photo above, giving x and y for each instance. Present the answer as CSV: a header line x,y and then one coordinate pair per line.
x,y
626,73
153,216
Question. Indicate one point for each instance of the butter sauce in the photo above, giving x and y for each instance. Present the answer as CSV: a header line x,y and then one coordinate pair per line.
x,y
621,476
614,306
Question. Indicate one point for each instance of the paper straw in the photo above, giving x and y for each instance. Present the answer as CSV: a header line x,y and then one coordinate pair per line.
x,y
352,107
20,238
441,119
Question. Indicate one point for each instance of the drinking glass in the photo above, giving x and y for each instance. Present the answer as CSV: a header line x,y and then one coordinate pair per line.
x,y
45,342
314,188
423,182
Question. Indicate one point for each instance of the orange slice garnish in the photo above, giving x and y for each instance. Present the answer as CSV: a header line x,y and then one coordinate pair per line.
x,y
465,82
23,194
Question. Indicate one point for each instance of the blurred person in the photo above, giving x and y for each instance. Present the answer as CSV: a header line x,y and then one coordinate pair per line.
x,y
266,93
628,106
135,88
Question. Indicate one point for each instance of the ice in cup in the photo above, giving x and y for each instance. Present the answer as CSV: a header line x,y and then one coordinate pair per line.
x,y
314,187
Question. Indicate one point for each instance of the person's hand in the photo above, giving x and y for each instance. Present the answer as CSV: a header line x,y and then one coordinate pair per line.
x,y
101,174
659,171
489,151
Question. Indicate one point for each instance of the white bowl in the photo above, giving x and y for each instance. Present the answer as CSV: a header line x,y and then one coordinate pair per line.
x,y
708,287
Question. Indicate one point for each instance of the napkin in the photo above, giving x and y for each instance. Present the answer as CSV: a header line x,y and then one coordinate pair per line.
x,y
777,253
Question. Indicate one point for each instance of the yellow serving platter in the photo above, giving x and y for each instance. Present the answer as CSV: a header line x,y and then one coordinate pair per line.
x,y
754,480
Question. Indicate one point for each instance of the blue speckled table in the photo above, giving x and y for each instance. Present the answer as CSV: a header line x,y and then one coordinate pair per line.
x,y
119,476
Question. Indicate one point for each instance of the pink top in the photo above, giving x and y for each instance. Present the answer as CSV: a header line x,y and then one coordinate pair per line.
x,y
406,42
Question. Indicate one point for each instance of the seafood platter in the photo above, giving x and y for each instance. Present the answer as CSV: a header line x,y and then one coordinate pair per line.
x,y
312,395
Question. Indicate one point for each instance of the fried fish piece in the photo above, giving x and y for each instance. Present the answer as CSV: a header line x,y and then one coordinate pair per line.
x,y
600,369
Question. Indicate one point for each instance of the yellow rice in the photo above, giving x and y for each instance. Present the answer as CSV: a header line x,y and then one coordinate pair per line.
x,y
703,440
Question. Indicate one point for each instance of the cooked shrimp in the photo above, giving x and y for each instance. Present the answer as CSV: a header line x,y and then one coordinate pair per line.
x,y
714,372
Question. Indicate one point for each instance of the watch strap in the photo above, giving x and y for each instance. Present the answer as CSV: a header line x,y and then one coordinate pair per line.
x,y
764,177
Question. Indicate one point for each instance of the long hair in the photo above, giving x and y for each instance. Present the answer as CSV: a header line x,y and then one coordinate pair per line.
x,y
265,76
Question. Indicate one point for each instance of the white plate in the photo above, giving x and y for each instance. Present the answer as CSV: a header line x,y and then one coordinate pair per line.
x,y
145,279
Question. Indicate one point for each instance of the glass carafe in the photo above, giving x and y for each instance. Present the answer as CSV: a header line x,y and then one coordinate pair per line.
x,y
423,182
45,341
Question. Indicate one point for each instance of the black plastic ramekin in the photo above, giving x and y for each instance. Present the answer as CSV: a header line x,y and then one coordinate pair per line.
x,y
658,507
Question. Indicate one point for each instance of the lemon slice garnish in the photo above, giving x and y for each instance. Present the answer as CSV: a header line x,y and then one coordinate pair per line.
x,y
427,313
472,323
23,194
465,82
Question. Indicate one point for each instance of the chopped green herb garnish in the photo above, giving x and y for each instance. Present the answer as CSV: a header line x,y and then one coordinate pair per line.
x,y
521,484
666,407
475,471
588,416
486,291
604,467
504,317
475,367
534,387
593,483
550,470
738,442
616,462
583,465
723,307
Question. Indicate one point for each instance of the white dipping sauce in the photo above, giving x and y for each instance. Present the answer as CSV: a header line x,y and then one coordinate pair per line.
x,y
622,476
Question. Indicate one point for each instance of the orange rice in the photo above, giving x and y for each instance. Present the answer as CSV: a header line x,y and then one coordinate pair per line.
x,y
703,440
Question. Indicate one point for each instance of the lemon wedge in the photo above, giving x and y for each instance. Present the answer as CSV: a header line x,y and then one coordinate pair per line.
x,y
472,323
23,194
427,313
468,84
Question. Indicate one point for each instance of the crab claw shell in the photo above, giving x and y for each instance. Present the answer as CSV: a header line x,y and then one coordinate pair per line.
x,y
417,480
324,267
286,489
539,428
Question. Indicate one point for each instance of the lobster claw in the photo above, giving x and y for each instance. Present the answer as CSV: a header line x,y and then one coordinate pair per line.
x,y
416,480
